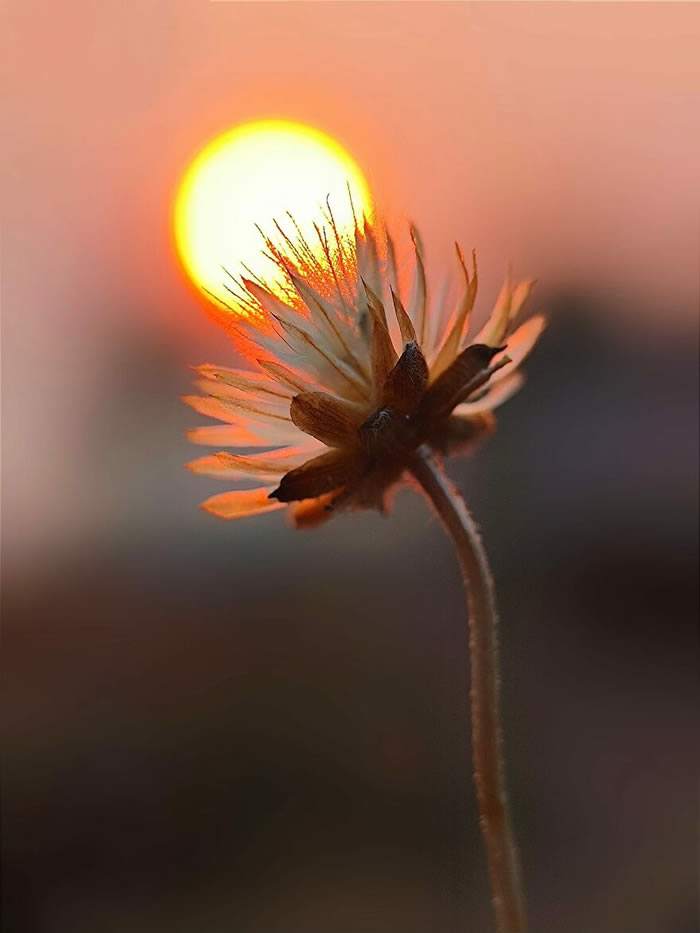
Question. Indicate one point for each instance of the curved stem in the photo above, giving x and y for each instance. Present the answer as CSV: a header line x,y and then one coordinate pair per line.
x,y
487,743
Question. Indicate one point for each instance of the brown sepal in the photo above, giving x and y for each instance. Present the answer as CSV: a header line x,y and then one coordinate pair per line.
x,y
321,475
375,305
447,390
386,433
383,356
407,381
326,418
406,327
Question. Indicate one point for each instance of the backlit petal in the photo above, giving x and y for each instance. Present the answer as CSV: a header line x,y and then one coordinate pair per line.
x,y
285,377
228,435
508,305
243,380
241,503
417,307
450,347
306,346
367,253
268,465
520,343
310,513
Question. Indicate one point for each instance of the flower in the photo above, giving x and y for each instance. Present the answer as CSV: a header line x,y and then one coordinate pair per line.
x,y
348,382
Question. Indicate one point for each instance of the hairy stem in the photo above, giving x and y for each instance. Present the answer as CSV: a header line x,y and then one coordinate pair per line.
x,y
487,742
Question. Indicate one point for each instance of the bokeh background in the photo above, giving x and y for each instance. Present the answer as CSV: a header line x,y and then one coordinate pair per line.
x,y
213,726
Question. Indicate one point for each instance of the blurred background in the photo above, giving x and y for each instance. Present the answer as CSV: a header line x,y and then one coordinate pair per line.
x,y
216,726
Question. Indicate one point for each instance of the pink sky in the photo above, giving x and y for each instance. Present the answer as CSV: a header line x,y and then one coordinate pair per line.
x,y
563,138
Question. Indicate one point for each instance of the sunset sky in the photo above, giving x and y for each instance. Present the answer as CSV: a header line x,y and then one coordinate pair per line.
x,y
561,138
175,680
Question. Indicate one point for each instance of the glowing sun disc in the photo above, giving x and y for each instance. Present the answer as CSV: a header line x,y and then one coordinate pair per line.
x,y
253,175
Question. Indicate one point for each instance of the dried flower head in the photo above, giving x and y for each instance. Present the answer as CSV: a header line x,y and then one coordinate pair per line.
x,y
348,380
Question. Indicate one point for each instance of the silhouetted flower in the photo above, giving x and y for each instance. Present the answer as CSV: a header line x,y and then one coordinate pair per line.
x,y
347,381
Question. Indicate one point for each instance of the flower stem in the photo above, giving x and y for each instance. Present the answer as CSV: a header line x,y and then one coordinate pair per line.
x,y
487,742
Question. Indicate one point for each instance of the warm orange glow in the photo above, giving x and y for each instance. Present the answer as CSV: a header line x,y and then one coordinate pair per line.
x,y
255,174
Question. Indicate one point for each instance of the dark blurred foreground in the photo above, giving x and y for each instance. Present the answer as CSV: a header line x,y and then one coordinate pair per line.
x,y
213,727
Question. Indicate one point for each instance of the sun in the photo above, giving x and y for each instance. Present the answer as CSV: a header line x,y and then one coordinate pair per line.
x,y
250,177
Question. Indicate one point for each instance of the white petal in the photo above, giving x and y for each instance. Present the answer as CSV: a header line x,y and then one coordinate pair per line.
x,y
417,304
332,322
367,254
228,435
210,407
519,345
310,353
255,402
269,302
450,345
302,348
244,380
270,431
229,408
392,271
286,377
436,325
508,304
494,329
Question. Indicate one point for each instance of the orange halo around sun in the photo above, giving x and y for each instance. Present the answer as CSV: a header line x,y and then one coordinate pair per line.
x,y
253,175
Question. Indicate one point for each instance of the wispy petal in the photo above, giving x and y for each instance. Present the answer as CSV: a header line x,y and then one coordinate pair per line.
x,y
450,347
230,435
285,377
254,401
268,430
419,296
521,293
241,503
327,320
508,305
520,343
293,343
268,465
367,253
210,407
243,380
260,408
271,303
310,513
494,330
308,347
392,269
